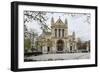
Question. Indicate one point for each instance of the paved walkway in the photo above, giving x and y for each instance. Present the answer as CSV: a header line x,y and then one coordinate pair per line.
x,y
67,56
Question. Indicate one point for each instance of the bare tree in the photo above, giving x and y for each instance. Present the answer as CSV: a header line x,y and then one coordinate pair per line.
x,y
38,16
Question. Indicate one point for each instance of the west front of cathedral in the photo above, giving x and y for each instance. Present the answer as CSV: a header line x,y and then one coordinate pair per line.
x,y
57,40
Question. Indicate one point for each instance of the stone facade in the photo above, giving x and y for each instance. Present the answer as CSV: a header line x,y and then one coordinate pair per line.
x,y
58,40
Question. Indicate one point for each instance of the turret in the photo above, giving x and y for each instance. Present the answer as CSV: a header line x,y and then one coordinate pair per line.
x,y
52,21
73,35
66,22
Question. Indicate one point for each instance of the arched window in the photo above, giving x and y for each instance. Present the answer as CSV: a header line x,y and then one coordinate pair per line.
x,y
62,32
55,32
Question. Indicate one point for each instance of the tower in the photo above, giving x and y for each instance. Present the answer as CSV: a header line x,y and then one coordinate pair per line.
x,y
66,29
52,27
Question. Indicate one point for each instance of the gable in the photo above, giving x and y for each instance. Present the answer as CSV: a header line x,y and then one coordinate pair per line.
x,y
59,22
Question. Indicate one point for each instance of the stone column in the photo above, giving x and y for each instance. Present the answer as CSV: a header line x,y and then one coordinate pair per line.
x,y
65,33
64,46
57,33
44,50
68,46
53,47
87,48
76,47
53,32
60,32
73,47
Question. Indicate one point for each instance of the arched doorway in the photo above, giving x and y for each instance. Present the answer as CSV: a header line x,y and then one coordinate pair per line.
x,y
60,45
70,48
48,49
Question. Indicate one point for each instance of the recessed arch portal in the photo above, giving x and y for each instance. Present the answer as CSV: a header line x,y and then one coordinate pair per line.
x,y
60,45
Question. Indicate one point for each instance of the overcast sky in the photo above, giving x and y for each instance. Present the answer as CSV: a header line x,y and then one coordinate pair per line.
x,y
79,23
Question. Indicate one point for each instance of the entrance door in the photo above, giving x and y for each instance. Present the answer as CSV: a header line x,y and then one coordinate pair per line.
x,y
60,45
70,48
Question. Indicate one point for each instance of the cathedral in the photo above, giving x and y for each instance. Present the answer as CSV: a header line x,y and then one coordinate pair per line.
x,y
57,40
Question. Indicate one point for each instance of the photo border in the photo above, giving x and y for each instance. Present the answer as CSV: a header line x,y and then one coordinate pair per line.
x,y
14,35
